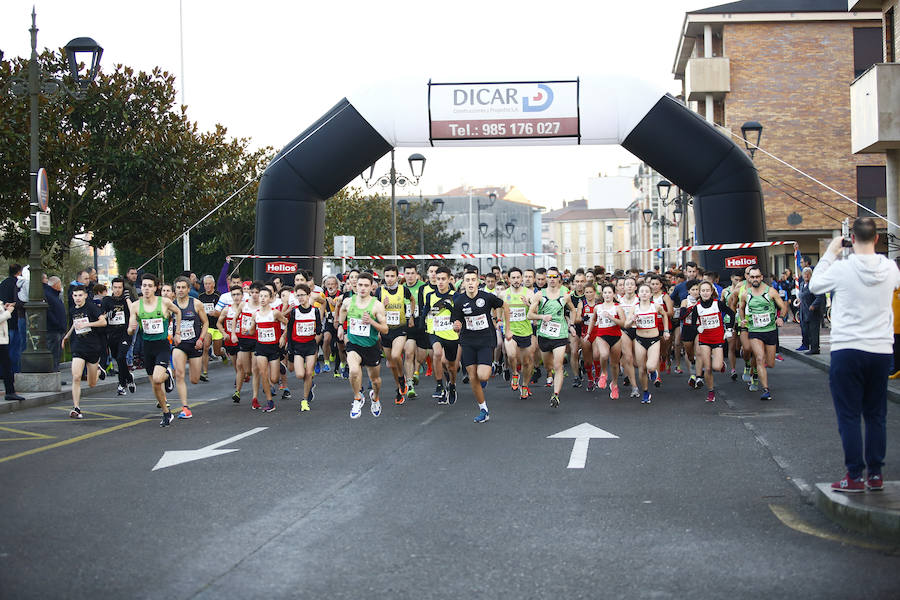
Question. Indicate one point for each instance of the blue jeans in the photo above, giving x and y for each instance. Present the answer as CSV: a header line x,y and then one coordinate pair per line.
x,y
16,339
858,382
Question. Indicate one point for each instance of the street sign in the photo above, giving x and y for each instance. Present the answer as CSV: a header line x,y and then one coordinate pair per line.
x,y
582,435
43,190
175,457
42,223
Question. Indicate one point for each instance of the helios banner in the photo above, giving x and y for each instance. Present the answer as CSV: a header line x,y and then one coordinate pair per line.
x,y
531,109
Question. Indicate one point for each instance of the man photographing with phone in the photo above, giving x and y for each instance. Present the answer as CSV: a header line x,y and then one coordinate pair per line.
x,y
861,349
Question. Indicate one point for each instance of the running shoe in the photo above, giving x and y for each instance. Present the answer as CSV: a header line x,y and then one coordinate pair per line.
x,y
524,392
185,413
170,382
507,375
411,393
635,393
375,407
746,375
404,388
590,385
399,398
270,406
317,368
130,379
451,394
646,399
101,373
120,391
678,371
734,375
655,378
204,377
554,401
549,381
345,372
849,485
326,368
875,483
754,385
779,357
514,381
304,406
438,392
416,377
766,395
483,416
626,382
576,382
356,408
312,393
337,372
692,382
711,396
255,404
613,392
699,383
236,397
371,394
167,419
602,382
285,393
75,413
536,375
466,378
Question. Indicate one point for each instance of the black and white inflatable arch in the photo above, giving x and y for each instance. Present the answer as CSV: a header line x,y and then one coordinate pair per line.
x,y
357,131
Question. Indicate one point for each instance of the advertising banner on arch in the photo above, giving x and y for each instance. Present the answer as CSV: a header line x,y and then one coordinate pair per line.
x,y
504,111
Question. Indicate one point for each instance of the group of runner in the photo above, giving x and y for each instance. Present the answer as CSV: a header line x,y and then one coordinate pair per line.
x,y
604,328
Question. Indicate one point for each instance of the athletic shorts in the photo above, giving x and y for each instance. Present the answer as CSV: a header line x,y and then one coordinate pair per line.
x,y
769,338
476,355
523,341
451,347
646,342
631,332
232,350
688,333
215,334
271,351
611,340
189,349
549,344
722,345
420,336
370,355
156,352
246,344
303,349
89,355
330,328
387,339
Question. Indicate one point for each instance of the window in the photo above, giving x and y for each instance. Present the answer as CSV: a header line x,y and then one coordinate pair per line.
x,y
889,37
871,190
867,49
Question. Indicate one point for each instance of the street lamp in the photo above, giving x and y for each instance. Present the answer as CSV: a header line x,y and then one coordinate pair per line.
x,y
751,128
393,179
37,358
465,247
497,233
404,205
681,201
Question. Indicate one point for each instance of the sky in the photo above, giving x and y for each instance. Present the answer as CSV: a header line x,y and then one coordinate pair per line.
x,y
268,69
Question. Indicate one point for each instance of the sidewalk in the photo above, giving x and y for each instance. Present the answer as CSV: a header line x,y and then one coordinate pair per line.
x,y
871,513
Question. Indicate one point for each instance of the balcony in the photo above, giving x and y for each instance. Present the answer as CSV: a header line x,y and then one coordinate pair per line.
x,y
704,76
875,110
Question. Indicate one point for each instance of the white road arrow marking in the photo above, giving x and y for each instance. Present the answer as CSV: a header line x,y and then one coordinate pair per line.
x,y
582,435
175,457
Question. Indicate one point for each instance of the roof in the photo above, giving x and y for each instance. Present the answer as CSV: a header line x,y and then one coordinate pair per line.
x,y
585,214
506,193
774,6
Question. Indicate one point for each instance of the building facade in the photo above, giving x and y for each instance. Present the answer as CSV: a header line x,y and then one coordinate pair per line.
x,y
587,237
788,64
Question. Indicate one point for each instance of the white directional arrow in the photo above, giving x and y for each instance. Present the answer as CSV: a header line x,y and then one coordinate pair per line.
x,y
175,457
582,435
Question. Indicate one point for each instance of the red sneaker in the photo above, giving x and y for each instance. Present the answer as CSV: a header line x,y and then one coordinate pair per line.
x,y
614,392
255,404
875,483
849,485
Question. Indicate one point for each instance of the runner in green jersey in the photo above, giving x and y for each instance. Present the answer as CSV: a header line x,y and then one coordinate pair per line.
x,y
414,351
761,305
520,349
549,308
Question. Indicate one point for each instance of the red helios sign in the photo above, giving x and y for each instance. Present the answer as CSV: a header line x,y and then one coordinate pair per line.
x,y
739,262
281,267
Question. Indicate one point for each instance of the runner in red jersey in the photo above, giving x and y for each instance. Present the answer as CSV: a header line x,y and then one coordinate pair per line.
x,y
709,315
606,335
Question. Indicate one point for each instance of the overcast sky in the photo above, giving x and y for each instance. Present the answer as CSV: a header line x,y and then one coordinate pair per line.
x,y
268,69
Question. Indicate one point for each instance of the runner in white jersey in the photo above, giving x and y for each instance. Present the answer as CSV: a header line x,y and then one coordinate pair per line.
x,y
629,301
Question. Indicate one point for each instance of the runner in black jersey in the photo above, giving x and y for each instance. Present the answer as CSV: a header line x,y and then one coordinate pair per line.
x,y
115,307
209,297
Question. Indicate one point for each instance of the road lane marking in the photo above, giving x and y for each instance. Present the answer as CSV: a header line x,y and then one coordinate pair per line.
x,y
170,458
582,435
791,520
28,435
74,439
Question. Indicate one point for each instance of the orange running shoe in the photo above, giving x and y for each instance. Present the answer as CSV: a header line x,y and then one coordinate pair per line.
x,y
514,384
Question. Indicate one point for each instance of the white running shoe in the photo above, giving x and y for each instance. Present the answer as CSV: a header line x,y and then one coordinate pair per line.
x,y
356,408
635,393
375,407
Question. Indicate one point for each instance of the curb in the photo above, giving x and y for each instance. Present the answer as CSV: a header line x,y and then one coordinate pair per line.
x,y
893,395
34,399
871,513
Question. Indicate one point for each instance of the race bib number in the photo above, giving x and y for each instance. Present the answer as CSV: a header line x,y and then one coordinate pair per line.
x,y
187,331
304,328
409,311
442,323
393,317
358,328
245,323
171,328
152,326
209,307
676,312
81,325
266,335
604,320
761,320
709,321
476,322
645,321
118,318
517,313
550,329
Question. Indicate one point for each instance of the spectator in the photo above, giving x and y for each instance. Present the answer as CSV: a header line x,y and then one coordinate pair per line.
x,y
56,319
9,294
861,350
131,284
6,315
812,309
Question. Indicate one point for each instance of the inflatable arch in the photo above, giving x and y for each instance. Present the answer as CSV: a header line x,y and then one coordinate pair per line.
x,y
360,129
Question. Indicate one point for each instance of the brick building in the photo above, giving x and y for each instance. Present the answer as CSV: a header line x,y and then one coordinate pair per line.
x,y
788,64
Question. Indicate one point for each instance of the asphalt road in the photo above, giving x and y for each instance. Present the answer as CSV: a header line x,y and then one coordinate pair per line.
x,y
691,499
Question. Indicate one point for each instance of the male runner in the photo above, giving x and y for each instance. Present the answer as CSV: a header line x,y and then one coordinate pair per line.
x,y
87,345
304,326
444,340
763,307
415,350
209,297
548,307
395,298
115,307
194,326
365,317
520,347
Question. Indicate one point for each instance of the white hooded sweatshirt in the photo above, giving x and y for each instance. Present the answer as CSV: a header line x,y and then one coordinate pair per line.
x,y
861,315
